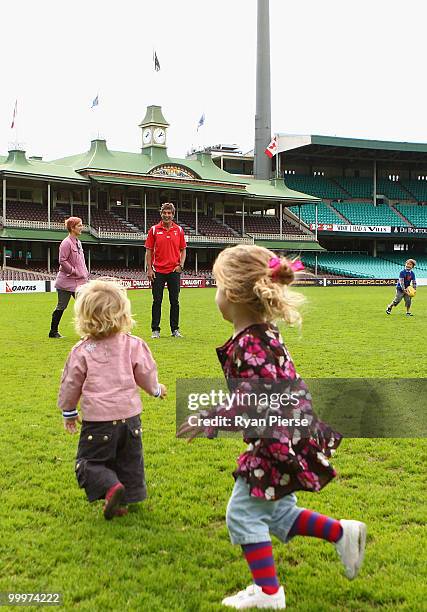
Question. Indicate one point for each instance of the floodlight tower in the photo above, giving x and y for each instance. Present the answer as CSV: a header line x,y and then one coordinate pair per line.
x,y
262,163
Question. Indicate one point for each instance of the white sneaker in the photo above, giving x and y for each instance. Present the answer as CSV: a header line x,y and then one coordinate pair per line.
x,y
254,597
177,334
351,547
155,334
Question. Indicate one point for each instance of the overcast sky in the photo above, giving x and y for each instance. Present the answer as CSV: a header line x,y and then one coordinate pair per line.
x,y
347,68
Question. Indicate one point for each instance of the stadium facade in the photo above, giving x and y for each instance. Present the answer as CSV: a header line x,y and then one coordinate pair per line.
x,y
117,194
350,207
373,208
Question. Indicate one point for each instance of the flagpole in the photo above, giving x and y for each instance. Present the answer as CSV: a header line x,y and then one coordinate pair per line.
x,y
14,125
157,67
95,104
16,133
97,115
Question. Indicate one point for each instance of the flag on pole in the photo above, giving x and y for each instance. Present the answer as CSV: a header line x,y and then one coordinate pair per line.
x,y
15,112
95,101
272,148
201,121
156,62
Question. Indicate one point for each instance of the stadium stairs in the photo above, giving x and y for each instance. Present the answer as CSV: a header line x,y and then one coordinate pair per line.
x,y
415,213
339,214
417,189
401,215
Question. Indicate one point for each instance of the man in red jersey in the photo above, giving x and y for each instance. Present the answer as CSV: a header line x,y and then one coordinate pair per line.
x,y
165,256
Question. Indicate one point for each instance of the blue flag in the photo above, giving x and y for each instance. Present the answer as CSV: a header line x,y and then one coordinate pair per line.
x,y
95,101
201,121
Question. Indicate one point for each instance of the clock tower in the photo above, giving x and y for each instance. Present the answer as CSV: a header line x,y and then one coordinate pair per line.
x,y
153,127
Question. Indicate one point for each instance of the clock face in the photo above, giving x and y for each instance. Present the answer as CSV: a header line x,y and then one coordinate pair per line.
x,y
146,136
159,136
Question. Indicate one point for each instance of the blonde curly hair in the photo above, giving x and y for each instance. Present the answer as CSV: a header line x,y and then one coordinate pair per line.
x,y
256,277
102,309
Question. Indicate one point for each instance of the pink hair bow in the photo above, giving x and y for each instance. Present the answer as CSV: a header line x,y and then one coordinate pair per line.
x,y
274,262
297,265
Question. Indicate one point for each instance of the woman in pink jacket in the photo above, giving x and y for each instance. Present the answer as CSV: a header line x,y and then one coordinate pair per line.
x,y
104,371
72,271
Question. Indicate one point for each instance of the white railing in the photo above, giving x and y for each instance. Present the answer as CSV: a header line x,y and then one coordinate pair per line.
x,y
220,239
119,235
26,223
296,237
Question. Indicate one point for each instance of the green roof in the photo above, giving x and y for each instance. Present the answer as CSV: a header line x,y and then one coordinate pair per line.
x,y
154,115
276,189
169,184
100,158
17,163
321,148
139,169
359,143
13,233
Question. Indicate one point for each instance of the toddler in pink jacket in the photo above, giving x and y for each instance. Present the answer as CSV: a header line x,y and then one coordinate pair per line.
x,y
103,371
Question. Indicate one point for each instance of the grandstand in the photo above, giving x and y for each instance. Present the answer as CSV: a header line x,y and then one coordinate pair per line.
x,y
415,213
117,195
417,189
360,265
364,213
316,185
325,213
369,199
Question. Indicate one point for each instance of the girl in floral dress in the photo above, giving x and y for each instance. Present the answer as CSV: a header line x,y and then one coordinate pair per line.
x,y
288,446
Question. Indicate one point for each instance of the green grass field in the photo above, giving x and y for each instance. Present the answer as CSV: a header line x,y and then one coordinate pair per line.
x,y
172,552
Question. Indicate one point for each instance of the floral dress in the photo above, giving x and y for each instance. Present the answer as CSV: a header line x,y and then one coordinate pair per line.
x,y
279,458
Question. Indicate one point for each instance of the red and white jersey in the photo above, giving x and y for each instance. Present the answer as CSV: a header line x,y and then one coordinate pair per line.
x,y
166,245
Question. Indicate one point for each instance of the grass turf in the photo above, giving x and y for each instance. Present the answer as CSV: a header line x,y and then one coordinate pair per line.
x,y
172,552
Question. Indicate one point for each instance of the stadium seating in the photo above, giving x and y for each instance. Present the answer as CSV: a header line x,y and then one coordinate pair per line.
x,y
356,265
392,190
101,219
24,275
324,214
261,225
25,210
315,185
356,187
365,213
206,226
417,188
416,214
399,260
31,211
343,188
136,216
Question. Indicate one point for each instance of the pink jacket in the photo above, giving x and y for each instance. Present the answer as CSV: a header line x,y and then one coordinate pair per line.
x,y
105,375
72,267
